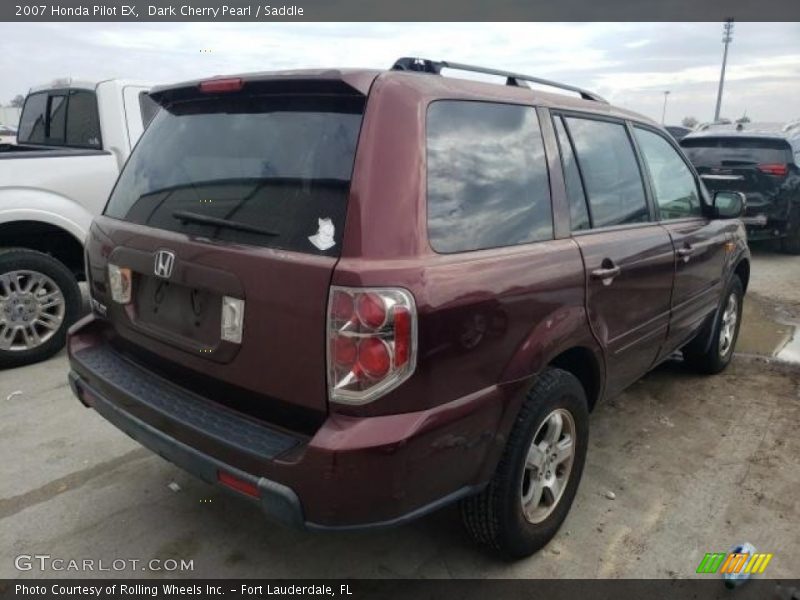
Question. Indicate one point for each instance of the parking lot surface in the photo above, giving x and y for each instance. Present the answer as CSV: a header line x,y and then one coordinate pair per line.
x,y
679,465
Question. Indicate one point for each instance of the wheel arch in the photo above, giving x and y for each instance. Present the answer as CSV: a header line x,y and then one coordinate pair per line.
x,y
581,362
47,237
742,270
563,340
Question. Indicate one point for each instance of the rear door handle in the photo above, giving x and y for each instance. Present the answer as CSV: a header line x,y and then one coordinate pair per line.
x,y
606,274
686,252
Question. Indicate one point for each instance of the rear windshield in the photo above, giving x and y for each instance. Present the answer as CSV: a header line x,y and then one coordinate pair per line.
x,y
61,118
719,151
253,170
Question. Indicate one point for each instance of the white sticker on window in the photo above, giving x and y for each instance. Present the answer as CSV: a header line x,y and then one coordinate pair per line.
x,y
323,239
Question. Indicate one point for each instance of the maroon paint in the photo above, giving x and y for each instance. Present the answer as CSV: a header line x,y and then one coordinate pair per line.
x,y
489,320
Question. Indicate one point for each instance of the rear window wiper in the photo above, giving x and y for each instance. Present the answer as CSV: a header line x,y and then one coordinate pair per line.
x,y
185,216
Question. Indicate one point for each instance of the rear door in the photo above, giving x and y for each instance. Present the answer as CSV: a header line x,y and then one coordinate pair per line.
x,y
233,205
628,256
699,241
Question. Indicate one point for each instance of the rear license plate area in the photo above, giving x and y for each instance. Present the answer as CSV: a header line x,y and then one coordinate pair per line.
x,y
178,310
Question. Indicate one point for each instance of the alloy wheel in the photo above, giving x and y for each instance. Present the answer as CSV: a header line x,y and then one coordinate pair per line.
x,y
728,326
548,465
32,309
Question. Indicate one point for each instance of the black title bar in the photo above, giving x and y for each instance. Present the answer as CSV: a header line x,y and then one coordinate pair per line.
x,y
399,10
707,588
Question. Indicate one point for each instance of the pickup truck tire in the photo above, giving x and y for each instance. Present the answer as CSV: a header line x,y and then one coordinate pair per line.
x,y
710,356
537,477
39,300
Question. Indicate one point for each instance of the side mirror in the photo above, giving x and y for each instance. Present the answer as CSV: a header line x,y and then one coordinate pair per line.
x,y
729,205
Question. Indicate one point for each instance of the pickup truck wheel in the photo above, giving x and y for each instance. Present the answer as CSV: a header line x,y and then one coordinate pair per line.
x,y
536,480
712,356
39,300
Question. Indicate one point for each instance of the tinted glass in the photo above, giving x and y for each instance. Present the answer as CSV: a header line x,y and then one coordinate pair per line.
x,y
579,215
281,165
58,119
56,126
487,176
734,150
610,172
673,183
83,122
33,120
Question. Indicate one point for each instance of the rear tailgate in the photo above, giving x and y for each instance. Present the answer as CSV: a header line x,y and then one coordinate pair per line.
x,y
756,166
238,195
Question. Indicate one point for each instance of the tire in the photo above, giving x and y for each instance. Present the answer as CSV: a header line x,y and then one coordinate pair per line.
x,y
711,356
495,518
39,300
791,244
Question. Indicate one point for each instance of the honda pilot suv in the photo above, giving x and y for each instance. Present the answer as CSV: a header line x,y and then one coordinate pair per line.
x,y
355,296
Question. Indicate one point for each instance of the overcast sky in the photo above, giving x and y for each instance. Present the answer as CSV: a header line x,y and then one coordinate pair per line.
x,y
631,64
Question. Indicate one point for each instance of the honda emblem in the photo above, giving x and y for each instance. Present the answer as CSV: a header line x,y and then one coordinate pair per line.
x,y
165,260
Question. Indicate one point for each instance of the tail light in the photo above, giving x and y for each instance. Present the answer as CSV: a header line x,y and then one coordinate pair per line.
x,y
119,280
239,484
220,86
778,169
372,342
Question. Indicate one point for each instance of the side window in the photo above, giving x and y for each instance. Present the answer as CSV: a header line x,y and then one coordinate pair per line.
x,y
33,120
611,174
674,185
487,176
57,121
83,122
579,214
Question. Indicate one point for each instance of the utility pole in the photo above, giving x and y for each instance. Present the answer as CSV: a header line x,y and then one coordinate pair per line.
x,y
664,110
727,38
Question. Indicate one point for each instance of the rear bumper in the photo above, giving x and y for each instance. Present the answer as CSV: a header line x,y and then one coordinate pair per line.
x,y
771,218
352,473
278,501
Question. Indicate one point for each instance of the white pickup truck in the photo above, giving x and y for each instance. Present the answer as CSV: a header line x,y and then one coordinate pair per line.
x,y
72,141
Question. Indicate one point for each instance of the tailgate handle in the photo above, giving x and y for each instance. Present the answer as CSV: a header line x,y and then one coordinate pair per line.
x,y
607,272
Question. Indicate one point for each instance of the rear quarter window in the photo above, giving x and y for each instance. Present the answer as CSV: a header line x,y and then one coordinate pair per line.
x,y
33,120
487,182
83,122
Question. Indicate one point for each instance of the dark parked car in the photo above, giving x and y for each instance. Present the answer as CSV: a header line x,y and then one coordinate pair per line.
x,y
358,296
763,163
678,131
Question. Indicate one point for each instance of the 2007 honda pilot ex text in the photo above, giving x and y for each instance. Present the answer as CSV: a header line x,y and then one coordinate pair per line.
x,y
357,296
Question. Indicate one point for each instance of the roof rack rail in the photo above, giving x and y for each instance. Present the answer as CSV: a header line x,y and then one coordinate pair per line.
x,y
424,65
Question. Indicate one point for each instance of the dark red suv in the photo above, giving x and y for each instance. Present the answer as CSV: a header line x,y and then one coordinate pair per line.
x,y
357,296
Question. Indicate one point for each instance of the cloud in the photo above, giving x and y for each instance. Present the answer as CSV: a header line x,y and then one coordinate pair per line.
x,y
630,63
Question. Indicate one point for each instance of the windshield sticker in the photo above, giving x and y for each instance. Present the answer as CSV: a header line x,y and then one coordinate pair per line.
x,y
323,239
